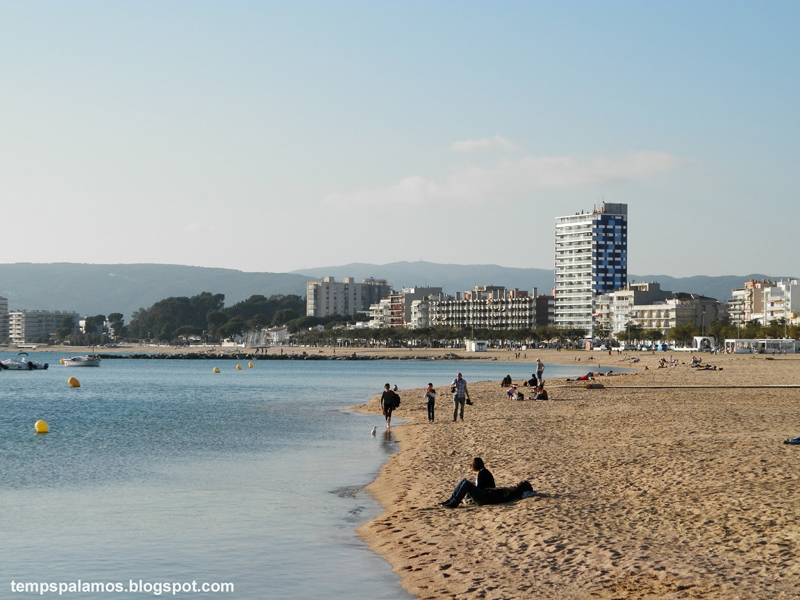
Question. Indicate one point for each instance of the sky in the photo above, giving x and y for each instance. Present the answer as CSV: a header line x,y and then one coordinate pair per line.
x,y
276,136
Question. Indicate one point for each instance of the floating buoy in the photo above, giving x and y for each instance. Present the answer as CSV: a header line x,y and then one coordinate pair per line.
x,y
62,361
41,427
216,369
74,382
238,367
250,364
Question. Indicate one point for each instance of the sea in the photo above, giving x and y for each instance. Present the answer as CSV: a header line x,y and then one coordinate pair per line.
x,y
162,478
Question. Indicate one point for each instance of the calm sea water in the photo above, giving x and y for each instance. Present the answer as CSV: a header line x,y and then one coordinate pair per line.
x,y
162,471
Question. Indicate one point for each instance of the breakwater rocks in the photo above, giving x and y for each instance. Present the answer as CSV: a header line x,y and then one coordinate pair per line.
x,y
275,356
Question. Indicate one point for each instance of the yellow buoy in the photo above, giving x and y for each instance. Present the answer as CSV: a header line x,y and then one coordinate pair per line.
x,y
74,382
238,367
250,364
62,361
41,427
216,369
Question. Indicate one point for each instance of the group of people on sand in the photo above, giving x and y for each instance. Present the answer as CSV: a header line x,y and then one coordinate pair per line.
x,y
536,383
390,400
483,490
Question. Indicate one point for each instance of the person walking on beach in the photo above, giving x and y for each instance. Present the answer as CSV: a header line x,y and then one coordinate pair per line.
x,y
460,396
387,404
430,397
483,481
539,369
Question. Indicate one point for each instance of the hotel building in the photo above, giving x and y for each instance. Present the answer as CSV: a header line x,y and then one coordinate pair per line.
x,y
591,259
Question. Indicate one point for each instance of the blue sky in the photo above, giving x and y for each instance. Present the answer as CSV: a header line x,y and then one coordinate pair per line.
x,y
273,136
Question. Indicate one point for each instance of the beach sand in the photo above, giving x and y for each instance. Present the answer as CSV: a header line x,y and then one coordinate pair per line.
x,y
668,483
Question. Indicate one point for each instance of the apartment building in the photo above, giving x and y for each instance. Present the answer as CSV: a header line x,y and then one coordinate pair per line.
x,y
783,301
28,326
485,307
747,302
613,311
682,309
330,297
591,259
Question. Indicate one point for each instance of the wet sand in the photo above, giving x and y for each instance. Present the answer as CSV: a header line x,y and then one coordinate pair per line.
x,y
668,483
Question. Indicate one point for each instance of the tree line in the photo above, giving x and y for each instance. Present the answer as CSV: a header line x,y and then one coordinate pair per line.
x,y
181,319
205,317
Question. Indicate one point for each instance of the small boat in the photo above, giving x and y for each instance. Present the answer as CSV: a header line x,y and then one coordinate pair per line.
x,y
21,363
90,360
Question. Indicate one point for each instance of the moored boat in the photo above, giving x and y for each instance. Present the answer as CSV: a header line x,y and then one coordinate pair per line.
x,y
21,363
89,360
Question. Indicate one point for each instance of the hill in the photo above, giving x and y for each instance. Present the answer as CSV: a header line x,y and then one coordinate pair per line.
x,y
91,289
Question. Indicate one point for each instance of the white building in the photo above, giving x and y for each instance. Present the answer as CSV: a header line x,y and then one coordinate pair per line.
x,y
747,303
484,307
783,301
330,297
613,310
591,259
683,309
27,326
765,302
273,336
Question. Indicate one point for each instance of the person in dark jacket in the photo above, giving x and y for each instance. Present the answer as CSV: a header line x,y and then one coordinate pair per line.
x,y
483,481
387,404
430,400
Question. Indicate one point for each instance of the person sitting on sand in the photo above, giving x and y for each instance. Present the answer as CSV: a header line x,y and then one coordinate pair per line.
x,y
506,381
488,495
532,382
541,394
484,480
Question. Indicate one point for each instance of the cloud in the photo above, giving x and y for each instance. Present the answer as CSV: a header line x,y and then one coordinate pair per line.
x,y
496,141
508,179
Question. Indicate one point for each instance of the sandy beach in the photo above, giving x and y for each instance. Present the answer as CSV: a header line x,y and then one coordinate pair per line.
x,y
667,483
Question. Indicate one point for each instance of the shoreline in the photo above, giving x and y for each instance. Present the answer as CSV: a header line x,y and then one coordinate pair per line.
x,y
666,482
144,351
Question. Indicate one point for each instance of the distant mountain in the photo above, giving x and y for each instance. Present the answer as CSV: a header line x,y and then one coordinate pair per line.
x,y
90,289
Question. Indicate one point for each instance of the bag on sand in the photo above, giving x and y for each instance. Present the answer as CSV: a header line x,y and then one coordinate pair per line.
x,y
395,400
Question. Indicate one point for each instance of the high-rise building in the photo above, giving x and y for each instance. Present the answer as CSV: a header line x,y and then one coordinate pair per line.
x,y
331,297
591,259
